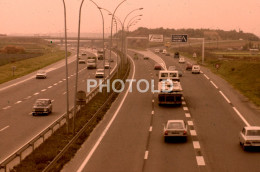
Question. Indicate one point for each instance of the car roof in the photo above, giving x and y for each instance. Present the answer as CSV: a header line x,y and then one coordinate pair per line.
x,y
42,99
252,127
175,121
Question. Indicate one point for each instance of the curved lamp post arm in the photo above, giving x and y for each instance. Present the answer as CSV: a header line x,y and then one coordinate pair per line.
x,y
130,21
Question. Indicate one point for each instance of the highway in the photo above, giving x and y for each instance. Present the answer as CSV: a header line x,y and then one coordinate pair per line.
x,y
130,138
17,125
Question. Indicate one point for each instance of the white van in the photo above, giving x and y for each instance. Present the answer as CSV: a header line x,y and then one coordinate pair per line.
x,y
195,69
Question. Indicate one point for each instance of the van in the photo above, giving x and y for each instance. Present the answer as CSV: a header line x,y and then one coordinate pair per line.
x,y
195,69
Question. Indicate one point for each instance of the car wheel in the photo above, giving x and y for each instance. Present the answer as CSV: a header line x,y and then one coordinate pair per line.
x,y
33,114
165,139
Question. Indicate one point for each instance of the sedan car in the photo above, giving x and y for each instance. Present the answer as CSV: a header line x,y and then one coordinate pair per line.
x,y
100,73
107,66
250,137
181,60
42,106
157,67
175,129
176,55
180,73
167,54
189,66
41,74
146,58
82,61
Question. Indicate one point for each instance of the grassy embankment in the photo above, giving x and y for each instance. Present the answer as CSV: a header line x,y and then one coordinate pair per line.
x,y
38,54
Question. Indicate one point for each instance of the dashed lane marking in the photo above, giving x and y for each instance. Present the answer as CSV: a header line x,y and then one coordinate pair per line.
x,y
152,112
153,100
64,93
183,102
196,144
187,115
151,128
60,81
200,160
193,133
214,84
182,98
7,107
49,86
4,128
206,76
18,102
185,108
146,154
64,79
190,123
43,90
28,97
36,93
224,96
239,114
55,84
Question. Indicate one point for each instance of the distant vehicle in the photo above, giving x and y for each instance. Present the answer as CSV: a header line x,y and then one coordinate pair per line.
x,y
42,106
250,137
164,51
176,55
181,60
169,74
100,54
41,74
157,67
189,66
156,50
195,69
175,129
167,44
180,73
92,62
167,54
146,58
107,66
160,50
83,54
111,60
82,61
100,73
172,68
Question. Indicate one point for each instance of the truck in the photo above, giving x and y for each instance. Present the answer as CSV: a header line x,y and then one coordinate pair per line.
x,y
170,90
92,62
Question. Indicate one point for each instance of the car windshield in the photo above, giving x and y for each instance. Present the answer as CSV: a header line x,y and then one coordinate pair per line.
x,y
175,125
41,72
173,74
253,133
41,102
164,75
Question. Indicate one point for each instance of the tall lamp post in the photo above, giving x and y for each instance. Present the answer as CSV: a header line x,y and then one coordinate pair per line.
x,y
66,61
132,23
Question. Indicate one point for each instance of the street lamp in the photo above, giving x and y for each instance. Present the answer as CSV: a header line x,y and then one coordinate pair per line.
x,y
99,8
140,15
132,23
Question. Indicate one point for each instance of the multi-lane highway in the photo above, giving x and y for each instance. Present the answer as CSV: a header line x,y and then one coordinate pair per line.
x,y
17,125
130,138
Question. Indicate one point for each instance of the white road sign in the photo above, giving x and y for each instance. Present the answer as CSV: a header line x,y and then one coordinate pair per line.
x,y
155,38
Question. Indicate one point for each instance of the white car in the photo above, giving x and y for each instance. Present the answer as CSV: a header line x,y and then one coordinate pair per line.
x,y
107,66
156,50
100,73
41,74
181,60
82,61
249,137
164,51
195,69
175,128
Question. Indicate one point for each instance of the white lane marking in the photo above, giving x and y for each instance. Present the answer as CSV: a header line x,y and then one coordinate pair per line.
x,y
64,79
4,128
190,123
201,71
52,100
60,81
183,102
193,133
69,77
153,100
35,94
28,97
152,112
146,154
196,144
187,115
185,108
151,128
224,96
214,84
49,86
64,93
200,160
107,127
182,98
239,114
43,90
55,84
7,107
206,76
18,102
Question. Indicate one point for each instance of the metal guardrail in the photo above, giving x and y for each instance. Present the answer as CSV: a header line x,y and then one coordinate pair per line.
x,y
16,157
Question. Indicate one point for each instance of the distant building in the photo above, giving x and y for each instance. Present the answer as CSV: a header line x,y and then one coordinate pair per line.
x,y
254,51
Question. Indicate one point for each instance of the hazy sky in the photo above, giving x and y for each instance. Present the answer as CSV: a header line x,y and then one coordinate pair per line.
x,y
46,16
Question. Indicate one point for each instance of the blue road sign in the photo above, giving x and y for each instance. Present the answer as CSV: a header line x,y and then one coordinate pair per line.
x,y
179,38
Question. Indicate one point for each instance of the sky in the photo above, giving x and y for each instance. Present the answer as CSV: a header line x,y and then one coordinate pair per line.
x,y
47,16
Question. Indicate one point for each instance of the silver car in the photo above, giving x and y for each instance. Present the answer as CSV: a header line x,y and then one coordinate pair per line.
x,y
42,106
174,129
100,73
41,74
250,137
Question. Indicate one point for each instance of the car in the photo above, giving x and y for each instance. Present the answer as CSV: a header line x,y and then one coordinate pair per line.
x,y
107,66
111,60
172,68
176,55
156,50
160,50
146,58
100,73
167,54
42,106
41,74
100,57
189,66
82,61
175,129
157,67
195,69
83,54
135,56
181,60
180,73
164,51
250,137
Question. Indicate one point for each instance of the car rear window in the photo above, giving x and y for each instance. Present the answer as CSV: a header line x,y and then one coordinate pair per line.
x,y
175,125
41,102
253,133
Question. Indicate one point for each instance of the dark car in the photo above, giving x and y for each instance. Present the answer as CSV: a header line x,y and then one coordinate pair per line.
x,y
189,66
146,58
167,54
42,106
157,67
176,55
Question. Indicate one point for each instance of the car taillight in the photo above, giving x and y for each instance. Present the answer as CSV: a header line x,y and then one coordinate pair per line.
x,y
248,142
184,132
165,132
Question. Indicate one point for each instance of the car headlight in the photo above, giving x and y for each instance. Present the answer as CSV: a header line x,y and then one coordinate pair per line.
x,y
45,109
